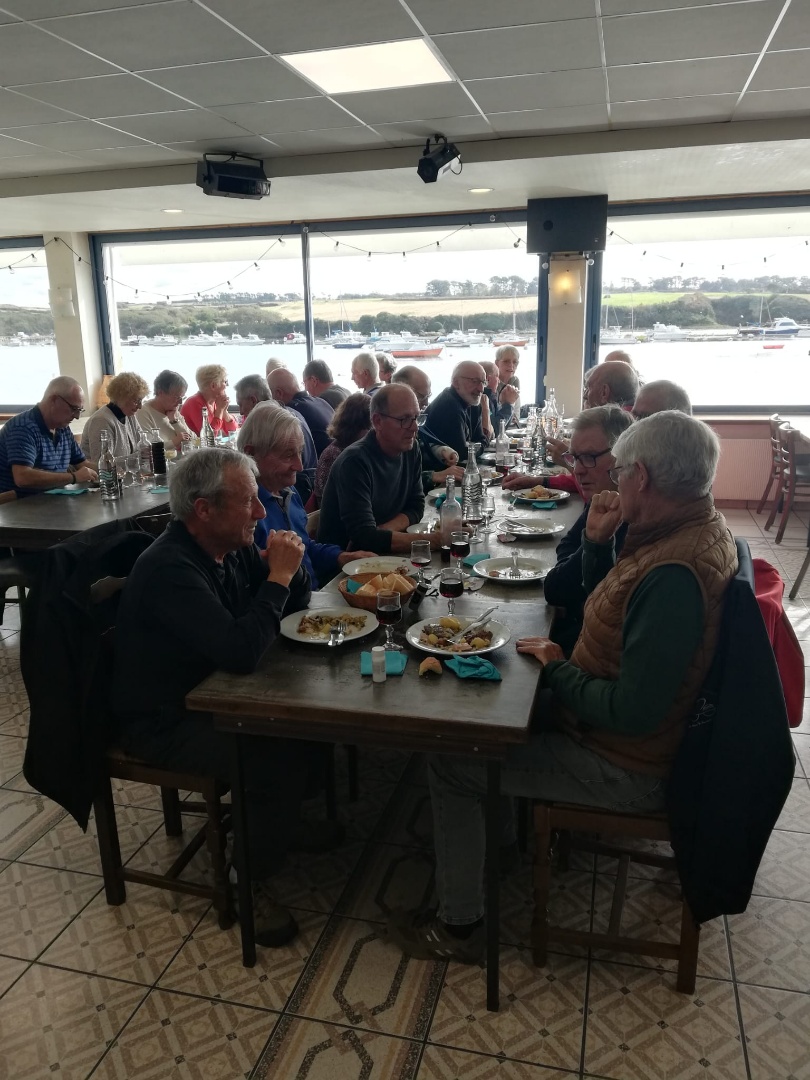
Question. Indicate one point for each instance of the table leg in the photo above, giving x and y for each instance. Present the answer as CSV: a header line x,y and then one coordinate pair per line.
x,y
242,856
493,829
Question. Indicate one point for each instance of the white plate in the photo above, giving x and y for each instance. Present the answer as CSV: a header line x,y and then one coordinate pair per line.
x,y
500,635
289,624
420,527
541,529
381,564
530,570
433,495
556,496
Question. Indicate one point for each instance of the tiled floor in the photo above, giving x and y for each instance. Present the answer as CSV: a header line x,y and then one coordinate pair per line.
x,y
154,989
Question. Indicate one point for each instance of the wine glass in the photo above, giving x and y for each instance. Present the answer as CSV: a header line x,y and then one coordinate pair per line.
x,y
451,587
459,547
420,558
134,468
488,506
473,514
121,471
389,612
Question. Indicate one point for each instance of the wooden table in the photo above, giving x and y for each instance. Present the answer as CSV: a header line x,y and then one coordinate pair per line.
x,y
40,521
314,692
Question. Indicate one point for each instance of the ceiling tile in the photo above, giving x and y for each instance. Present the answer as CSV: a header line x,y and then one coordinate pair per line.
x,y
232,82
176,32
126,156
407,103
726,30
452,16
680,78
673,111
23,47
11,147
794,29
783,71
632,7
74,135
47,9
243,144
456,128
551,90
773,103
551,121
317,24
19,111
304,114
330,141
527,50
37,164
104,95
177,126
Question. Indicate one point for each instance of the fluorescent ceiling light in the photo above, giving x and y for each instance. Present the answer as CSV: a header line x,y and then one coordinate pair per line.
x,y
171,211
370,67
479,190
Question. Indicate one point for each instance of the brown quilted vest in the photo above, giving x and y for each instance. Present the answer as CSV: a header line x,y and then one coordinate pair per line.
x,y
697,538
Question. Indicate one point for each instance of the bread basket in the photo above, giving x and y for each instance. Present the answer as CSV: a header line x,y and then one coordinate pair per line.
x,y
367,603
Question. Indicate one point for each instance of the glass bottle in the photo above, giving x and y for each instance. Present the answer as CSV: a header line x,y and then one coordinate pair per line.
x,y
145,451
501,448
207,437
471,485
107,472
450,513
158,452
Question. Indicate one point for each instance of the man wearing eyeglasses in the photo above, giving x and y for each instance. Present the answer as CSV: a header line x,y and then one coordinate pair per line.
x,y
37,448
374,491
454,418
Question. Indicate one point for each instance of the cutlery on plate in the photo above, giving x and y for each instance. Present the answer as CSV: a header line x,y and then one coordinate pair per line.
x,y
476,624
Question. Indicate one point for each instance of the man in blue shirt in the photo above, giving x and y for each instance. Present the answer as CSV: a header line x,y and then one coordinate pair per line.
x,y
37,448
286,390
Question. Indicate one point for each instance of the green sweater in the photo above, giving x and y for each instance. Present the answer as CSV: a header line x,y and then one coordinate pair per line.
x,y
662,629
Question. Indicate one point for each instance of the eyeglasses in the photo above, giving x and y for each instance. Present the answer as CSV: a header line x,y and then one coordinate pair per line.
x,y
77,409
472,379
587,461
403,421
616,471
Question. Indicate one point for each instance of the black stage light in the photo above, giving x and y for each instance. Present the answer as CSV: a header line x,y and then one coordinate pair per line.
x,y
434,163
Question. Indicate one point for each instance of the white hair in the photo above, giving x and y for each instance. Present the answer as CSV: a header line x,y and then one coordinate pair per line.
x,y
366,361
680,453
612,419
202,476
266,426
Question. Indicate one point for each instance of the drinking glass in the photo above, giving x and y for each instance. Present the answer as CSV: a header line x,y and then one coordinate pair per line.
x,y
451,587
121,471
420,558
389,612
460,547
134,468
473,514
488,505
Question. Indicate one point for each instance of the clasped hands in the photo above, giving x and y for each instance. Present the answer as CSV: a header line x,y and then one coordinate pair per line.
x,y
604,517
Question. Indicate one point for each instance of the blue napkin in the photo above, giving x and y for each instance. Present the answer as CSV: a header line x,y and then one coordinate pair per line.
x,y
440,500
352,586
394,663
473,558
473,667
65,491
162,490
549,504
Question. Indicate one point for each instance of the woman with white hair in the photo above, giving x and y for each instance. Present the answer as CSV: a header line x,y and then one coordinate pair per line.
x,y
162,412
126,392
212,380
273,438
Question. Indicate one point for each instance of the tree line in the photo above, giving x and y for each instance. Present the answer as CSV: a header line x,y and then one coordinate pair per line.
x,y
766,284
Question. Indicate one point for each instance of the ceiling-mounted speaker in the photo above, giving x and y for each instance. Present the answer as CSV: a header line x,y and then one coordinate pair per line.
x,y
577,224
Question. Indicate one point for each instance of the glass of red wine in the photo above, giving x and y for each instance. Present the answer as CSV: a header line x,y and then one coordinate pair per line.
x,y
389,612
420,558
459,548
451,587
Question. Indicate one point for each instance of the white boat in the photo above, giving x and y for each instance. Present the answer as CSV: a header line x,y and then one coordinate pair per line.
x,y
614,335
462,339
296,338
783,327
346,339
205,340
668,332
219,339
135,340
164,341
251,339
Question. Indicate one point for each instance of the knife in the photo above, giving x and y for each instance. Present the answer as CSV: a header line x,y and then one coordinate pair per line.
x,y
476,624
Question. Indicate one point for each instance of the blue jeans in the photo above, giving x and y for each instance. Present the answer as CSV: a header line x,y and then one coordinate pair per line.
x,y
551,766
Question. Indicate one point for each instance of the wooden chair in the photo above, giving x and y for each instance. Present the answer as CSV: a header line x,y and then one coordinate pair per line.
x,y
313,521
797,584
568,818
795,480
775,475
13,575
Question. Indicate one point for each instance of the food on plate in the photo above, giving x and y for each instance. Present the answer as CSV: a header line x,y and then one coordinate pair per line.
x,y
390,583
450,622
540,492
315,625
430,663
438,636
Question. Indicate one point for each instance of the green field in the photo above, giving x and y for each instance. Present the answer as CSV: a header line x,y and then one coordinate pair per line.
x,y
625,300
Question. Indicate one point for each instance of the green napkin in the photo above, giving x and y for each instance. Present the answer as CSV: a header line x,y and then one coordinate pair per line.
x,y
161,490
473,558
473,667
394,663
549,504
65,491
352,586
440,500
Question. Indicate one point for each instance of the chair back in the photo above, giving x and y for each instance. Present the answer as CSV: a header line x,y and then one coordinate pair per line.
x,y
313,521
787,450
774,424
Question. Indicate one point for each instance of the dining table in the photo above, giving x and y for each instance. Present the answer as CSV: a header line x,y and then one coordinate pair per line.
x,y
309,690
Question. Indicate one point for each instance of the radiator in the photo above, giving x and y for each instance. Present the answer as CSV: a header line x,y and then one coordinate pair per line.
x,y
743,468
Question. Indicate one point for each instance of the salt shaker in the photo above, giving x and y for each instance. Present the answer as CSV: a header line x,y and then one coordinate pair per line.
x,y
378,664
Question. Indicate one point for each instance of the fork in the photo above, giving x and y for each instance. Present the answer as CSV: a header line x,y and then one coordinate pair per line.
x,y
336,633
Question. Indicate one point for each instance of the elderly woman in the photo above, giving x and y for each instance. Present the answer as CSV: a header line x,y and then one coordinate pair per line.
x,y
273,438
619,706
350,423
212,380
163,411
387,365
126,393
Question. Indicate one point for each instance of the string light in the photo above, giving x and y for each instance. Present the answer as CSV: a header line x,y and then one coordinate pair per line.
x,y
281,241
337,244
368,257
255,266
403,257
516,243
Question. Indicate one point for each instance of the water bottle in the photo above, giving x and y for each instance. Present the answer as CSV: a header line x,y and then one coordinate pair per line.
x,y
501,449
145,451
207,437
158,453
471,486
553,415
107,472
449,515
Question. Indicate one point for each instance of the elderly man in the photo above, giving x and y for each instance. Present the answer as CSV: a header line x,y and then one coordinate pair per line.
x,y
659,396
37,448
507,393
387,365
374,491
366,373
454,418
618,708
252,390
203,598
318,381
273,364
610,383
285,388
418,381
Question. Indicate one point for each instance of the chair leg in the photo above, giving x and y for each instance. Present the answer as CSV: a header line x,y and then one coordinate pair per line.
x,y
215,840
172,820
109,849
354,783
542,884
787,506
766,492
797,584
688,954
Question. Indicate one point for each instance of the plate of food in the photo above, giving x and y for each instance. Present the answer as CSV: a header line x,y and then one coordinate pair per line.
x,y
501,570
313,626
531,528
433,636
539,493
378,564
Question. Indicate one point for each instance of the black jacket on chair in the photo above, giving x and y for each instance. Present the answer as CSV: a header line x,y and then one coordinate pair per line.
x,y
60,652
734,768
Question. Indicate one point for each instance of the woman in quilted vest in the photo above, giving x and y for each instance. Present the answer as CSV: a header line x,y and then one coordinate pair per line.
x,y
613,715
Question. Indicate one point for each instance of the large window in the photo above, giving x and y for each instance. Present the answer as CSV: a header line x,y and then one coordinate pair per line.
x,y
719,303
28,359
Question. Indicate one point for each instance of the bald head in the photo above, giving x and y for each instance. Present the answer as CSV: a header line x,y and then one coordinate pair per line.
x,y
610,383
273,364
469,380
418,381
283,385
62,402
661,396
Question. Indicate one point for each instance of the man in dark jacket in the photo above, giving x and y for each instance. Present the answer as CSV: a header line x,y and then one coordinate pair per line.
x,y
318,413
203,598
454,417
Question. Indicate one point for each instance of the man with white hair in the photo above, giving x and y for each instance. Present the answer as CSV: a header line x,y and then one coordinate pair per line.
x,y
419,382
454,417
613,382
659,396
366,373
387,365
618,708
318,381
286,389
203,598
507,394
37,448
273,364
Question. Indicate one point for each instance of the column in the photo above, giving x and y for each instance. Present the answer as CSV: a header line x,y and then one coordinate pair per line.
x,y
566,329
